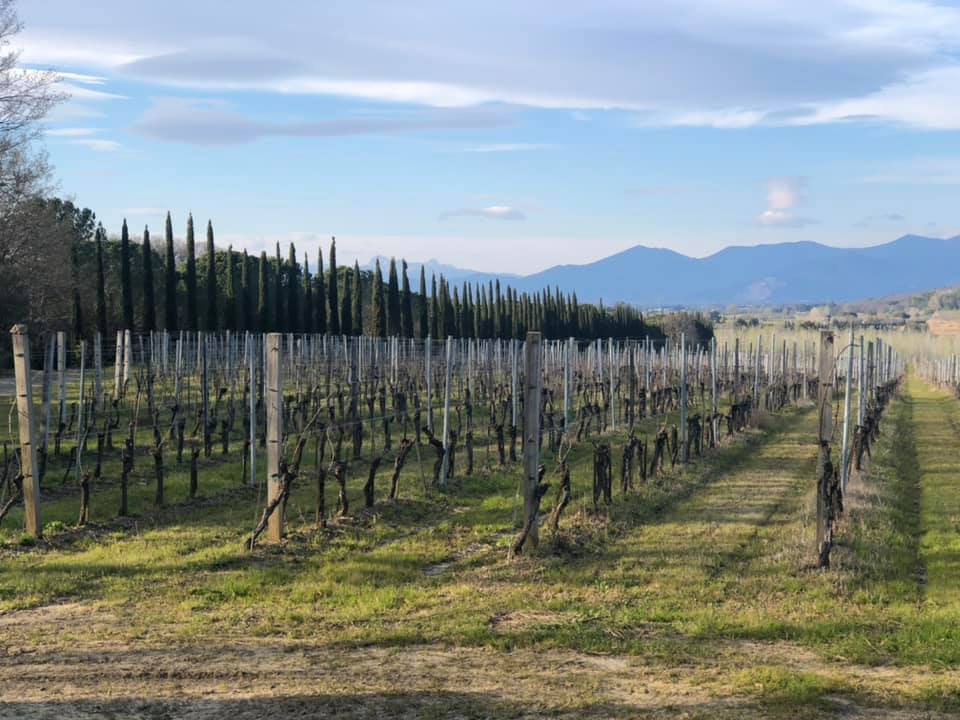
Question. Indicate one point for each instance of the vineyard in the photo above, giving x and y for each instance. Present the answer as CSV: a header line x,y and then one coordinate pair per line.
x,y
474,527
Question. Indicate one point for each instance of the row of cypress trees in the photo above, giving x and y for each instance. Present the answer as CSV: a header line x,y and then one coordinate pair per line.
x,y
241,292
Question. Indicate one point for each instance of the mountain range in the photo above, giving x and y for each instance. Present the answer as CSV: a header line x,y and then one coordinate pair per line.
x,y
784,273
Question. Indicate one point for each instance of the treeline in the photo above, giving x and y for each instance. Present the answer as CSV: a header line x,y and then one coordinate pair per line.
x,y
146,283
145,287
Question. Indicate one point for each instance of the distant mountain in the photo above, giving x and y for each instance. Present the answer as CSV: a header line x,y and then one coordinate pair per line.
x,y
434,266
800,272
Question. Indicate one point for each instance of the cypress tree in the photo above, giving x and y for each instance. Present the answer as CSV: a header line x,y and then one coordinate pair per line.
x,y
211,281
149,306
455,310
424,320
393,300
406,304
293,293
263,319
333,307
434,308
321,324
278,324
230,295
125,282
357,300
101,308
193,320
378,314
244,321
346,307
170,280
307,297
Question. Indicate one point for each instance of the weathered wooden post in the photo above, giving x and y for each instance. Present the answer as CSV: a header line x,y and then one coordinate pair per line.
x,y
428,359
568,385
861,387
252,365
28,448
274,399
80,433
824,466
756,375
62,379
847,401
118,366
531,440
446,413
684,398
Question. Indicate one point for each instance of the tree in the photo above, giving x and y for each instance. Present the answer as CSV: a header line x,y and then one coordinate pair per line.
x,y
424,320
211,281
278,324
406,305
101,308
378,314
293,292
125,282
393,300
193,321
307,296
262,315
434,309
357,321
346,308
230,295
149,305
170,281
321,303
334,304
245,321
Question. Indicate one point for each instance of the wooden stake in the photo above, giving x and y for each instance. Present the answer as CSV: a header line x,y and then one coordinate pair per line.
x,y
274,398
28,448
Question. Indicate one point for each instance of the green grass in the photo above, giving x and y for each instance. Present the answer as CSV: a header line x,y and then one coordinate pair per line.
x,y
709,568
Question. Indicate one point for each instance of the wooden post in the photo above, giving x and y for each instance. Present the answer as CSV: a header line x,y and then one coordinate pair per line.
x,y
62,378
825,407
513,383
83,356
28,448
531,436
127,355
45,401
429,371
98,370
274,398
118,366
861,404
683,399
252,364
756,375
568,386
847,400
446,413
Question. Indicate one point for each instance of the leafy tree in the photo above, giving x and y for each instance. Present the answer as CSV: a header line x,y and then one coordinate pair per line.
x,y
307,296
211,280
393,300
424,321
149,304
378,314
346,307
125,281
357,300
334,304
193,321
170,279
262,316
406,305
230,295
101,308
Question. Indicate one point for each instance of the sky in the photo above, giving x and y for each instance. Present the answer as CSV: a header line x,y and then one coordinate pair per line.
x,y
508,136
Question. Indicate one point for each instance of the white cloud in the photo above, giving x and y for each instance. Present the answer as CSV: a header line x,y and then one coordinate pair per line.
x,y
504,147
98,145
71,132
494,212
783,195
715,63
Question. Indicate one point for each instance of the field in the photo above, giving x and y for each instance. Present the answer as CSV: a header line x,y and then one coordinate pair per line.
x,y
696,594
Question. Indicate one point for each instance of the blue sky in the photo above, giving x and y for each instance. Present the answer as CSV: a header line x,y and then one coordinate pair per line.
x,y
509,136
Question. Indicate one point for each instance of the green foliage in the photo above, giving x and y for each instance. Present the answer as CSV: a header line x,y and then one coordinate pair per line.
x,y
149,301
193,321
333,307
126,284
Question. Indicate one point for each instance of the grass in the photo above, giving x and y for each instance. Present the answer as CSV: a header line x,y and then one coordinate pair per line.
x,y
704,576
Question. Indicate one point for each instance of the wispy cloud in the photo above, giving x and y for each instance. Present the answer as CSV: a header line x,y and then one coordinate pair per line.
x,y
98,145
71,132
505,147
783,196
493,212
206,122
